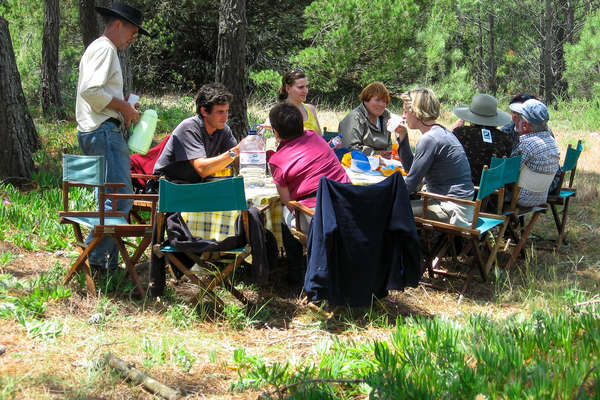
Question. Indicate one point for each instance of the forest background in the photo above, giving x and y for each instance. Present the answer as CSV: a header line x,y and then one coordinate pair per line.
x,y
532,333
459,47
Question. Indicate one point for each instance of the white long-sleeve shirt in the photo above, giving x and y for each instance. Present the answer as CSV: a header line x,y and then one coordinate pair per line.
x,y
100,79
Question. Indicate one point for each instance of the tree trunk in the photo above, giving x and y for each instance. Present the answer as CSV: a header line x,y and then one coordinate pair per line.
x,y
17,132
231,61
127,71
480,67
51,101
90,22
492,83
547,53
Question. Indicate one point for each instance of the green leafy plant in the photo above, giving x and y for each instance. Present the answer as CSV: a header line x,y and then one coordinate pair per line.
x,y
6,257
439,358
181,316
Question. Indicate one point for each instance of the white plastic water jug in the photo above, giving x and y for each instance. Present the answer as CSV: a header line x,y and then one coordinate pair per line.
x,y
143,132
253,160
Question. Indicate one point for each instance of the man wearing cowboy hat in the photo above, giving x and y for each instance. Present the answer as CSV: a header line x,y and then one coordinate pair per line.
x,y
102,111
481,140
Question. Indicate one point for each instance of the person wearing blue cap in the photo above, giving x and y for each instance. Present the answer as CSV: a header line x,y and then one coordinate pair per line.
x,y
103,113
538,149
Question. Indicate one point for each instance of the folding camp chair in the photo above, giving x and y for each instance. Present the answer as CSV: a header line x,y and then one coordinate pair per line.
x,y
89,171
564,194
477,233
299,211
141,206
518,228
221,195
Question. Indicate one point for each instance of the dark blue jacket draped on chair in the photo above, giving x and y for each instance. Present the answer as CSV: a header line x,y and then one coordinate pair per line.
x,y
362,243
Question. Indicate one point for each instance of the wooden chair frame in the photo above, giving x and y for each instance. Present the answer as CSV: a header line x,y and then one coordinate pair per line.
x,y
300,209
104,224
477,234
518,229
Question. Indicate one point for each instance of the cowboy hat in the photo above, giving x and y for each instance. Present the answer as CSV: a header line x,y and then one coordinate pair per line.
x,y
128,13
483,111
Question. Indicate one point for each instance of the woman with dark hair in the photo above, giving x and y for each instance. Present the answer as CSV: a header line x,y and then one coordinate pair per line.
x,y
293,90
301,160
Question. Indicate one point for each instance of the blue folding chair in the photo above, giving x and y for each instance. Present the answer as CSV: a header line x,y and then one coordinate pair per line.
x,y
564,194
477,233
90,171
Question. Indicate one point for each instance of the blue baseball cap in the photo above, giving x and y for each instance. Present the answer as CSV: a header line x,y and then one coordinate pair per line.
x,y
533,110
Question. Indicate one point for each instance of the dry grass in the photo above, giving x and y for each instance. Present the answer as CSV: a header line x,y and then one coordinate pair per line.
x,y
68,367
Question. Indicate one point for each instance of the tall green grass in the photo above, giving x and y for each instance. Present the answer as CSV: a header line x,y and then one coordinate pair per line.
x,y
543,356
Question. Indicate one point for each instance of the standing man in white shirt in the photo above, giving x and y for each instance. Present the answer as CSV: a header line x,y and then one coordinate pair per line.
x,y
103,113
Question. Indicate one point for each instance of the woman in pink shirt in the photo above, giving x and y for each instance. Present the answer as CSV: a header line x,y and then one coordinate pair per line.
x,y
301,159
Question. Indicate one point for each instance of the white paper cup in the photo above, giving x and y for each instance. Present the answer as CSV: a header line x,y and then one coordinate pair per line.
x,y
133,99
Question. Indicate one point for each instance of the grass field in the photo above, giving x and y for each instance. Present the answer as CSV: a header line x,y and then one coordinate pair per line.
x,y
533,332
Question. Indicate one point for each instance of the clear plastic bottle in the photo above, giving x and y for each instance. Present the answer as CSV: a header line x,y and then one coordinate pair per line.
x,y
336,142
253,160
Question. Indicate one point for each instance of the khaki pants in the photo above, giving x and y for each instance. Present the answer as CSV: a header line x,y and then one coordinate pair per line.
x,y
444,211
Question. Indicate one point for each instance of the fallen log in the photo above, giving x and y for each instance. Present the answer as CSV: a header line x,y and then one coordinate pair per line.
x,y
130,372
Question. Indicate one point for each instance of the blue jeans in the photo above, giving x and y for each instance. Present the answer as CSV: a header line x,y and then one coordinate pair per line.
x,y
108,141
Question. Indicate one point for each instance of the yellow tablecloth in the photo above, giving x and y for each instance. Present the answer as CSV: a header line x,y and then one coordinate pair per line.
x,y
220,225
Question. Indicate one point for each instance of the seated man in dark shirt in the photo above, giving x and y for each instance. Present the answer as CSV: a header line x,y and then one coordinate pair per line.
x,y
482,140
201,145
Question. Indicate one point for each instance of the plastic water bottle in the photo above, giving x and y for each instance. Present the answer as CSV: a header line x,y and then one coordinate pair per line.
x,y
253,160
143,132
336,142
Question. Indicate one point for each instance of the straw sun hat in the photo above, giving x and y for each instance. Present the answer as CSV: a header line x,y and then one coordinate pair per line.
x,y
483,111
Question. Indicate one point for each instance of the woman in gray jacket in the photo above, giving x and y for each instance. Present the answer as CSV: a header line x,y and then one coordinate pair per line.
x,y
365,127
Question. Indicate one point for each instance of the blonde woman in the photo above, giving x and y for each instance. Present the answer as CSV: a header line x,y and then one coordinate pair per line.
x,y
439,159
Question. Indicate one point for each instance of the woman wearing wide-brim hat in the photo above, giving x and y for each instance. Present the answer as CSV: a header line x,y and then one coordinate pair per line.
x,y
481,139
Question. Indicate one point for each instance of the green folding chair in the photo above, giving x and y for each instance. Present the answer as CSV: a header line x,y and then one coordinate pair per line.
x,y
221,195
90,171
564,194
477,234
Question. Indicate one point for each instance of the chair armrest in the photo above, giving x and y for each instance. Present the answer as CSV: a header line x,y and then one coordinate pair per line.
x,y
133,196
445,226
446,198
145,176
114,184
301,208
494,216
67,214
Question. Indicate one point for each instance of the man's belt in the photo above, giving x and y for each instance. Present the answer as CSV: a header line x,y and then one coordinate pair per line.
x,y
114,121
